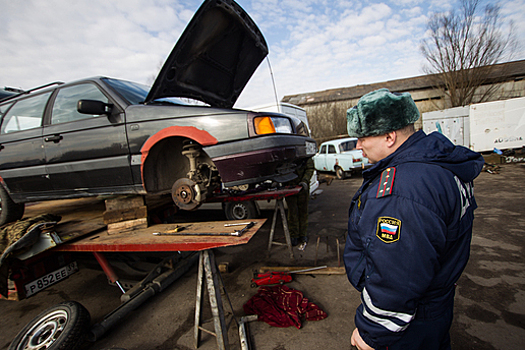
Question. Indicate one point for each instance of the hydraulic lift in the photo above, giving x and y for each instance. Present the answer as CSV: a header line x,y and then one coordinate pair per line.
x,y
182,239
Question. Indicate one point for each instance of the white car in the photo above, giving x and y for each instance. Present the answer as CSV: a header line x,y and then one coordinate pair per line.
x,y
340,156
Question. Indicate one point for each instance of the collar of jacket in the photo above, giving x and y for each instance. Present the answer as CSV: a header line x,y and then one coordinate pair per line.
x,y
393,159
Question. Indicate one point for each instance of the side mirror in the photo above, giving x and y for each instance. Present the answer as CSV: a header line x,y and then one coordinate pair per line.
x,y
94,107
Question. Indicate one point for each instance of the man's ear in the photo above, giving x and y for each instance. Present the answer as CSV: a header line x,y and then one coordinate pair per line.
x,y
391,138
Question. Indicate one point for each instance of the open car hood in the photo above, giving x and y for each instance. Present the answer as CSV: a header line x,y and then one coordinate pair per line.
x,y
214,58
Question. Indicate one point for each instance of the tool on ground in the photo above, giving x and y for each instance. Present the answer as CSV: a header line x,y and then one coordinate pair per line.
x,y
246,228
177,231
238,224
245,341
277,277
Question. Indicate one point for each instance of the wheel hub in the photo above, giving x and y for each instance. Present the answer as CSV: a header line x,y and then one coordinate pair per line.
x,y
239,212
46,332
186,194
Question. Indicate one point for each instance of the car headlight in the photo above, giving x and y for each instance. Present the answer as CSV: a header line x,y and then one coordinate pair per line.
x,y
272,125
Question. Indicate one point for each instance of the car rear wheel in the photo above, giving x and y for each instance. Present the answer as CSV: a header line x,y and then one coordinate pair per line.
x,y
9,210
240,210
340,173
61,327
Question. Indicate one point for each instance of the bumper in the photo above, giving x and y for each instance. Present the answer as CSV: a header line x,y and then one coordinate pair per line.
x,y
259,159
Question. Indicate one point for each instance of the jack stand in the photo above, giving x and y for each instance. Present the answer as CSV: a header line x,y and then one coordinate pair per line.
x,y
279,207
208,274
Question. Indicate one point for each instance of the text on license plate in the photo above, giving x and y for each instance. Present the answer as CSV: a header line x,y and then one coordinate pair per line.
x,y
310,147
51,278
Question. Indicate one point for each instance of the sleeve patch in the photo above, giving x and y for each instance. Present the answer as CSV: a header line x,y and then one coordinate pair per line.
x,y
388,229
386,182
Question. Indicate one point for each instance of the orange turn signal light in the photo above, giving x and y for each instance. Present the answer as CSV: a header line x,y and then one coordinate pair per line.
x,y
264,125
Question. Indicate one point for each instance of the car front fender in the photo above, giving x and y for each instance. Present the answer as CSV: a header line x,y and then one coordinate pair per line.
x,y
202,137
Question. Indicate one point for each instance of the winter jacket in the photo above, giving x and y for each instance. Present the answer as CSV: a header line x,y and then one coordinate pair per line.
x,y
409,233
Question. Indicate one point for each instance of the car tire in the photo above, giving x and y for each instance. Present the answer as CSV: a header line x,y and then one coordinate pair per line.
x,y
240,210
61,327
9,210
340,173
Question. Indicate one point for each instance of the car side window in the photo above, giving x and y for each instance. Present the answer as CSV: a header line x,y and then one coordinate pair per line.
x,y
25,114
347,146
323,149
65,105
4,108
331,149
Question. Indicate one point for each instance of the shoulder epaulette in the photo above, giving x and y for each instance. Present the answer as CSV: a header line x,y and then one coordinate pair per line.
x,y
386,183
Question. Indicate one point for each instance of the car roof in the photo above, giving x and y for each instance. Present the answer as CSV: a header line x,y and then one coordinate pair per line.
x,y
50,86
214,58
24,93
338,141
5,94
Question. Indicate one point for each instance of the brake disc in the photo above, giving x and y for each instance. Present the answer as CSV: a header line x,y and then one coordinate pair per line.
x,y
186,194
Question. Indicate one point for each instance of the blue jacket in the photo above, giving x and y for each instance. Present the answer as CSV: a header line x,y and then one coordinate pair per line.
x,y
409,233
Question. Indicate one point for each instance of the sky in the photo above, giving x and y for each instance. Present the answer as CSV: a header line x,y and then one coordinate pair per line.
x,y
314,45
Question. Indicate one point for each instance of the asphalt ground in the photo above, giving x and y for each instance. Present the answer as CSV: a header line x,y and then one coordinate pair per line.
x,y
489,303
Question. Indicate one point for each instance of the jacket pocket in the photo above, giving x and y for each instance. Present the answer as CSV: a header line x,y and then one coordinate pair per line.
x,y
357,273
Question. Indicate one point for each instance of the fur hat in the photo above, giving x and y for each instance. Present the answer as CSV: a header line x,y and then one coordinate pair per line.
x,y
380,112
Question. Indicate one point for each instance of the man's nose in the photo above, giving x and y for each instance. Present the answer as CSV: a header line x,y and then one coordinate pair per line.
x,y
358,145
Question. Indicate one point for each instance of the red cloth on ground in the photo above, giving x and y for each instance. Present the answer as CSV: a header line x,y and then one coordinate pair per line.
x,y
281,306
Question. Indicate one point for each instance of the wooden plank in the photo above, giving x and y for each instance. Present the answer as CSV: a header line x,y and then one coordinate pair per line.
x,y
113,216
325,271
146,240
129,225
124,202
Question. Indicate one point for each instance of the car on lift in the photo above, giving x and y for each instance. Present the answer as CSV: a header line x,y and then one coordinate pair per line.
x,y
5,93
340,156
106,136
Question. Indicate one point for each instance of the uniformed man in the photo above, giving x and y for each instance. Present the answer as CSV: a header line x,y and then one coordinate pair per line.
x,y
409,228
298,205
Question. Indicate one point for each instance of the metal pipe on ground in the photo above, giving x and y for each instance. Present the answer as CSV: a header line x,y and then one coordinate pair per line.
x,y
156,286
245,344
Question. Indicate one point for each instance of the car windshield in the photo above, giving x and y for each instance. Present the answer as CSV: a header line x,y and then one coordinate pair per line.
x,y
347,146
136,93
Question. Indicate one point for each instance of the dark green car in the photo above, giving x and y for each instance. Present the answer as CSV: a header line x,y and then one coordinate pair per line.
x,y
102,136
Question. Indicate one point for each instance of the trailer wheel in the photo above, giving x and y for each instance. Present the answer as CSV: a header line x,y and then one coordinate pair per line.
x,y
240,210
61,327
340,173
9,210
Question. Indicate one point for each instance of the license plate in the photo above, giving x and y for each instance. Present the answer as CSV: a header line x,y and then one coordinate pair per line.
x,y
51,278
311,148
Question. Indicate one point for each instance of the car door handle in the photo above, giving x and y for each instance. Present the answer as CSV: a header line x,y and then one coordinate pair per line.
x,y
55,139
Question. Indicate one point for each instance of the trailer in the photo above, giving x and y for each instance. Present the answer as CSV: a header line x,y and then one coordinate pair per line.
x,y
177,245
482,127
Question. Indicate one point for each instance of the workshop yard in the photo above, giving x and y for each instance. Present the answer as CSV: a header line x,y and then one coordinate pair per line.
x,y
490,298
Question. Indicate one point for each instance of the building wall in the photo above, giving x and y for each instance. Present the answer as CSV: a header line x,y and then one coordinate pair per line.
x,y
326,110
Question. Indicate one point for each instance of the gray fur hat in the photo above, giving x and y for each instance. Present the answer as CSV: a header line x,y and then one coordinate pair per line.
x,y
380,112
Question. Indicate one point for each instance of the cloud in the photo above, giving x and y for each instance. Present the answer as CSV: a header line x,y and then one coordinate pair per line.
x,y
65,40
314,44
323,52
